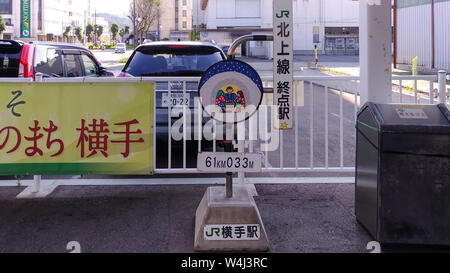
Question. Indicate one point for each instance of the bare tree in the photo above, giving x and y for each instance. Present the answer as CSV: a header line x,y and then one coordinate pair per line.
x,y
143,14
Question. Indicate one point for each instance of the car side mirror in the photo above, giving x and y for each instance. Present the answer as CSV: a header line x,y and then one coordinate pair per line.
x,y
103,72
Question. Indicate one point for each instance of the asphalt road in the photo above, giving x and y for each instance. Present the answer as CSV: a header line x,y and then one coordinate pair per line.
x,y
111,60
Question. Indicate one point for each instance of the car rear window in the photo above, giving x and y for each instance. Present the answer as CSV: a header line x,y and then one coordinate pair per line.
x,y
172,60
9,59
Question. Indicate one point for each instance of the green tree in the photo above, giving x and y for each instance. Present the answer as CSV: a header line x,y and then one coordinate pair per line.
x,y
114,30
79,34
2,25
98,31
66,32
124,31
89,31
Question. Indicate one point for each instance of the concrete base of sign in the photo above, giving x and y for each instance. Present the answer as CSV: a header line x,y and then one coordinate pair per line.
x,y
45,189
216,209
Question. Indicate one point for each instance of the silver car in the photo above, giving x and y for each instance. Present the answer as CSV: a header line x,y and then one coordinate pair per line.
x,y
120,48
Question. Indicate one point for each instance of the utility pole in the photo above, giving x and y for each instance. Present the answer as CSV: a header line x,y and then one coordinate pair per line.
x,y
95,26
134,24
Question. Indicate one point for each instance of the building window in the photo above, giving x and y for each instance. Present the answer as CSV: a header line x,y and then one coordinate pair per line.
x,y
184,2
316,38
5,6
184,24
184,13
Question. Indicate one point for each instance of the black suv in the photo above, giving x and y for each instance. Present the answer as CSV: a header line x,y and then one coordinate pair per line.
x,y
174,59
24,60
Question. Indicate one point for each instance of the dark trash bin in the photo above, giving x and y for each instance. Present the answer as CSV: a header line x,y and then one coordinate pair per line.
x,y
402,190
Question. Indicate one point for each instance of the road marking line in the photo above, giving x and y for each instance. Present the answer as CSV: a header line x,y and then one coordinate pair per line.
x,y
345,119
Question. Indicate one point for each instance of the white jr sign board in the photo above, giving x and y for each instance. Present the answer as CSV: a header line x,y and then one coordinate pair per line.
x,y
229,162
232,232
283,57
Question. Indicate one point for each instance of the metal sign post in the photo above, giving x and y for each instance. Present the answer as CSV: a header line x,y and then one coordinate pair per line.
x,y
230,92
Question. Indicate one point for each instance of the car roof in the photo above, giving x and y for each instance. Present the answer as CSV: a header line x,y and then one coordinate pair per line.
x,y
176,43
60,45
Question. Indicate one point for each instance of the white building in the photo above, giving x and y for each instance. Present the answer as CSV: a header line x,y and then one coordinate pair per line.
x,y
48,18
332,25
422,31
198,13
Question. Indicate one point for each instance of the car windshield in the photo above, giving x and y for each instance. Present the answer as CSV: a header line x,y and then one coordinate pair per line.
x,y
172,60
9,60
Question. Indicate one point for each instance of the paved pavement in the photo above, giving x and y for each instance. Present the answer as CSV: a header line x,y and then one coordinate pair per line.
x,y
298,218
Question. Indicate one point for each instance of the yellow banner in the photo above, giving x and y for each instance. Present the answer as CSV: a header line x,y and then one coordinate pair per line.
x,y
76,128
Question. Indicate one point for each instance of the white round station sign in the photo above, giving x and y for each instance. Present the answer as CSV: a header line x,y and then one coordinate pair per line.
x,y
231,91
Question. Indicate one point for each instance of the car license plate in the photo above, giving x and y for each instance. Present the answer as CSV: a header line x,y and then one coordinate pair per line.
x,y
176,99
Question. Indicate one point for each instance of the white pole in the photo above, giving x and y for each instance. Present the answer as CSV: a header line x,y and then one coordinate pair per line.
x,y
375,51
442,81
241,149
37,178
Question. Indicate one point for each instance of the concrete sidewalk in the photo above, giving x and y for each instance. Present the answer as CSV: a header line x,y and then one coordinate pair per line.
x,y
155,219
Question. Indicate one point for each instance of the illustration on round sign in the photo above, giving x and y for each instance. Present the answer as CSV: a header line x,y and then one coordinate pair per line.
x,y
230,100
230,87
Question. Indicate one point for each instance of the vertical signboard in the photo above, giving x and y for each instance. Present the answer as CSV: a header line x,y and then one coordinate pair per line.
x,y
283,57
25,18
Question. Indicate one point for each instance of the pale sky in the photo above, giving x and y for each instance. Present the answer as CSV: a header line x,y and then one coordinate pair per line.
x,y
119,7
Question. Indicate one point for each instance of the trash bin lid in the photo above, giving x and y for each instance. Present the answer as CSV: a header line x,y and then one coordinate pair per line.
x,y
405,118
401,128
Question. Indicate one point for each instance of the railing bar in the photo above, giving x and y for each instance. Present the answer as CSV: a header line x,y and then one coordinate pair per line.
x,y
251,133
169,109
296,123
265,170
401,90
267,128
431,92
326,126
341,126
184,125
214,135
415,92
281,149
311,126
200,123
355,106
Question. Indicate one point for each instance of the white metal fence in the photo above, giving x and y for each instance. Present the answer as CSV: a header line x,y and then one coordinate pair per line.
x,y
325,115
